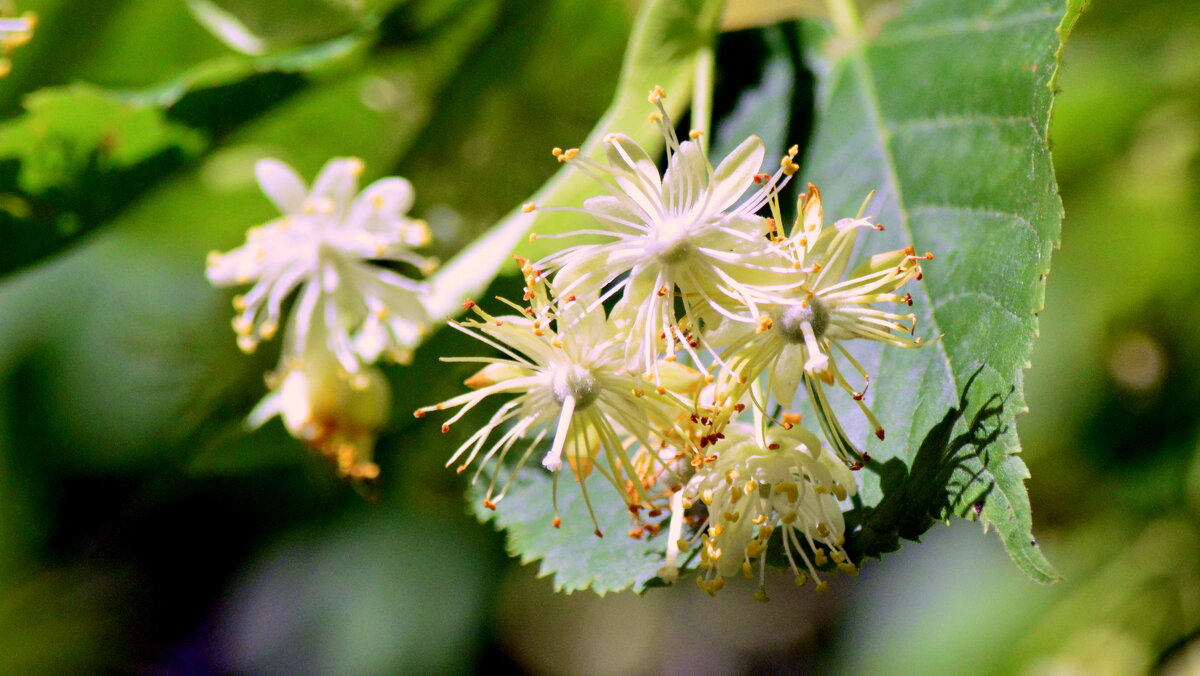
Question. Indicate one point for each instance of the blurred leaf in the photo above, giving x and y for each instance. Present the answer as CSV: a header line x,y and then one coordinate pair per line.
x,y
572,553
257,26
662,50
399,591
71,152
63,128
763,110
944,113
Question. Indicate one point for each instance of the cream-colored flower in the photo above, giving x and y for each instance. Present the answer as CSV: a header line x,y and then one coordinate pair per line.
x,y
682,235
790,486
798,340
564,362
323,246
336,414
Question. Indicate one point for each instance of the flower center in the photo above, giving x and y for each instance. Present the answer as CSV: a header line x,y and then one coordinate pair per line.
x,y
671,242
815,314
576,382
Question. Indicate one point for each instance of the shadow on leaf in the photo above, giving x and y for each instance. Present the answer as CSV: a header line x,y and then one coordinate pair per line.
x,y
940,481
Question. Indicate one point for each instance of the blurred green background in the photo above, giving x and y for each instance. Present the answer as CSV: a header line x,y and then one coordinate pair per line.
x,y
143,531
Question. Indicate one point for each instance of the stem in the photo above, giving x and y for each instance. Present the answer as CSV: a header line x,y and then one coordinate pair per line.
x,y
702,92
844,14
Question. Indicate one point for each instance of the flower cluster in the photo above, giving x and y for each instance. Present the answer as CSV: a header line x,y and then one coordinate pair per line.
x,y
665,355
334,255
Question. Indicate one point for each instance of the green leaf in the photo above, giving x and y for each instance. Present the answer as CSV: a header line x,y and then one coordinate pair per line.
x,y
70,158
572,553
668,36
257,26
943,111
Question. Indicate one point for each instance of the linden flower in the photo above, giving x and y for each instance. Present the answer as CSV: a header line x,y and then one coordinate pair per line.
x,y
789,486
675,233
796,340
336,415
14,32
564,362
323,246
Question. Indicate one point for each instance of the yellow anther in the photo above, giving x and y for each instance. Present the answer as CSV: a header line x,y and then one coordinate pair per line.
x,y
822,489
556,152
731,476
239,303
819,557
788,518
761,595
765,532
793,151
267,329
695,133
527,208
654,117
657,94
823,530
801,579
716,585
839,492
750,487
754,548
731,517
764,324
715,531
759,520
638,392
747,571
247,344
837,556
242,326
822,587
706,495
849,569
793,493
357,167
682,545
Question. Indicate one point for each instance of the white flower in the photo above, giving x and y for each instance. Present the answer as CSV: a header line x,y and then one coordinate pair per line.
x,y
675,235
14,32
790,486
563,359
799,336
323,245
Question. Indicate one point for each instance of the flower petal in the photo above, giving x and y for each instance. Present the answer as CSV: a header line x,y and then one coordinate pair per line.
x,y
736,173
636,173
785,379
337,182
282,185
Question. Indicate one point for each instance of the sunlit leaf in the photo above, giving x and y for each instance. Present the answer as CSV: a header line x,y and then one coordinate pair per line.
x,y
944,113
